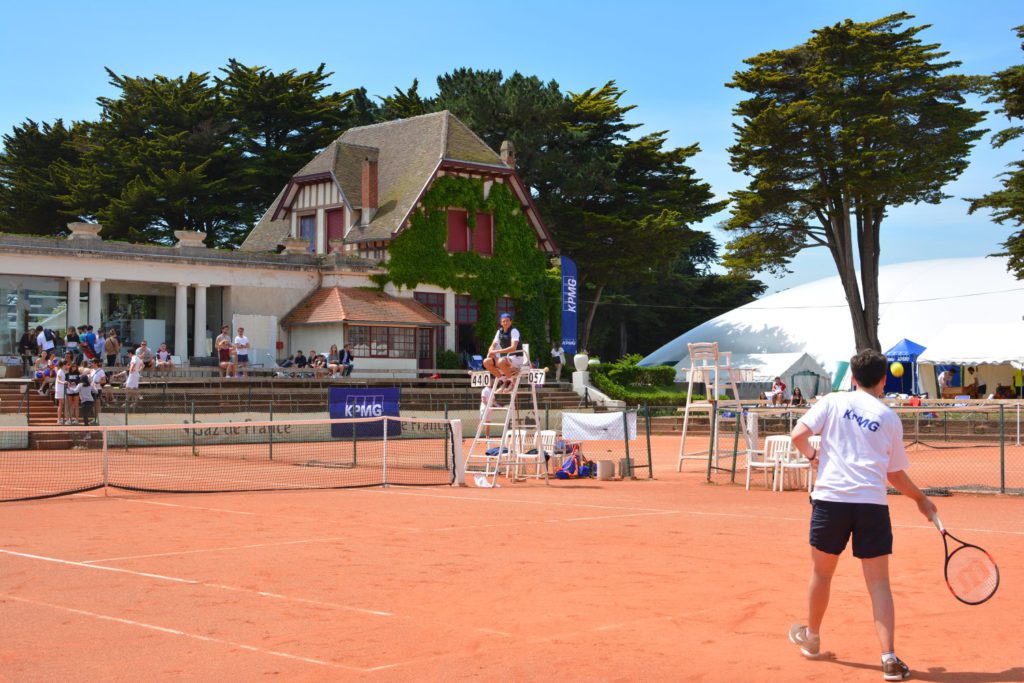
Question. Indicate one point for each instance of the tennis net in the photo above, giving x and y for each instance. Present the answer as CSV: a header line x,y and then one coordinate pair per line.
x,y
41,462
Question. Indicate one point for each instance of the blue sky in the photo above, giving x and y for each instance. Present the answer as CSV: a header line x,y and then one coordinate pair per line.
x,y
672,58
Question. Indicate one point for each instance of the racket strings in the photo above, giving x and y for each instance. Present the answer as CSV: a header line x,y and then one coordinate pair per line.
x,y
971,574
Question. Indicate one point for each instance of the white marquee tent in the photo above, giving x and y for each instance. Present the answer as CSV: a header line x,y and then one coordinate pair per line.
x,y
996,350
918,299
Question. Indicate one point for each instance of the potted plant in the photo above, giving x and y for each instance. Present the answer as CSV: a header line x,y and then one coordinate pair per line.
x,y
581,360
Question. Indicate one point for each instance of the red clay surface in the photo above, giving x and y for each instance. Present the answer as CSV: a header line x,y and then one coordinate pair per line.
x,y
664,580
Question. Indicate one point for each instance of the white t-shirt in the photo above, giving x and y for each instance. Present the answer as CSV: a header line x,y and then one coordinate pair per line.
x,y
861,442
558,354
242,345
496,344
43,342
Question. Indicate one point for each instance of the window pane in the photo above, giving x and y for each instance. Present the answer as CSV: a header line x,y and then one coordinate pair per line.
x,y
458,231
403,342
379,342
359,338
466,311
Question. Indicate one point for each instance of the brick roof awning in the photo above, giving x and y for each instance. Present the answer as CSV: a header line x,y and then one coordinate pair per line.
x,y
358,306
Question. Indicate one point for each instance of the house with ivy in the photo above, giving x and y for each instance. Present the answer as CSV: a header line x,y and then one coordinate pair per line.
x,y
422,235
403,239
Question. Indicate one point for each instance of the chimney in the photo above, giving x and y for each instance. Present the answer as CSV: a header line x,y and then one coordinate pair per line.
x,y
369,207
508,154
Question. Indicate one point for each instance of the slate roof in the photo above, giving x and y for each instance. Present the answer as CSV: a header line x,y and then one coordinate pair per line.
x,y
408,151
363,306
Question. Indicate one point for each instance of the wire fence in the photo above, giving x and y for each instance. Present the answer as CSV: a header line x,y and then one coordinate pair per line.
x,y
967,449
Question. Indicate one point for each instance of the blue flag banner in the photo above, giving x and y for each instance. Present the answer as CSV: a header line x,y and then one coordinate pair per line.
x,y
377,402
570,305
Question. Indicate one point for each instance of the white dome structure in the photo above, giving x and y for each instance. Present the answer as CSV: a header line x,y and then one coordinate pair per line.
x,y
917,300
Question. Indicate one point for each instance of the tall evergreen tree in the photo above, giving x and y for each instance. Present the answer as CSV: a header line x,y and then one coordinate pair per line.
x,y
29,188
158,160
278,121
858,119
1006,89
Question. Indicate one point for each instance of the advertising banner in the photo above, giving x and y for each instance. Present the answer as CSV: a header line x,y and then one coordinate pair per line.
x,y
570,305
354,403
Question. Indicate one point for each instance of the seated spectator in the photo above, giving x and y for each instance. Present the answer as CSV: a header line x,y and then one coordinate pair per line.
x,y
44,374
778,392
347,361
146,354
914,401
333,361
762,399
318,363
798,398
300,360
1004,392
164,363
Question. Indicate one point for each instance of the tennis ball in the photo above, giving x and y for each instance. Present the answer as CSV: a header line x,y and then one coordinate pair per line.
x,y
896,369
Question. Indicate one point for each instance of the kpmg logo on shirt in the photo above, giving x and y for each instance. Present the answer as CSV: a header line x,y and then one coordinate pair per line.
x,y
862,422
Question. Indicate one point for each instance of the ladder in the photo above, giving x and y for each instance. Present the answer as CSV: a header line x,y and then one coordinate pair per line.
x,y
708,365
489,455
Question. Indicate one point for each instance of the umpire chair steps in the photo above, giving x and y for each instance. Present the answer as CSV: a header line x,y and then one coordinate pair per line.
x,y
520,428
707,362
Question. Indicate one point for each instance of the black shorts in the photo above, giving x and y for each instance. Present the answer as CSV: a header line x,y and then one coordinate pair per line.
x,y
832,523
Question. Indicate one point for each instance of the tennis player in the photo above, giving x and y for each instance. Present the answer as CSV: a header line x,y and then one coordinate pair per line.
x,y
861,448
505,356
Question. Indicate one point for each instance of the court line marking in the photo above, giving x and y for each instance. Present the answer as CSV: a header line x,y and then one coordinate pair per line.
x,y
214,550
185,634
196,582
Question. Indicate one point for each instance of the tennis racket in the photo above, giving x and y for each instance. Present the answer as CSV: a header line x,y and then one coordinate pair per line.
x,y
971,573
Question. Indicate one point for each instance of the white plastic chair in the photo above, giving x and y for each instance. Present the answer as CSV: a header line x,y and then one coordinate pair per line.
x,y
547,439
792,460
525,460
767,459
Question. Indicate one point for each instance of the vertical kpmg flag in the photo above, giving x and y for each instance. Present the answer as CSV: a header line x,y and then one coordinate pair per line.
x,y
570,304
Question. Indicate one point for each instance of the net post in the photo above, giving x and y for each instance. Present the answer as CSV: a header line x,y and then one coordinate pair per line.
x,y
457,460
625,440
1002,448
105,460
270,433
385,458
647,430
193,430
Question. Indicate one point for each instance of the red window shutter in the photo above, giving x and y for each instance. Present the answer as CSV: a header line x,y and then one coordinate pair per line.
x,y
483,234
335,226
458,229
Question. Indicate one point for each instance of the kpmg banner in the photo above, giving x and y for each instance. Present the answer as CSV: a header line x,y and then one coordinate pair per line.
x,y
570,304
348,403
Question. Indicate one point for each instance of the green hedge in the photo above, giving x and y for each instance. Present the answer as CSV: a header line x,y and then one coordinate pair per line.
x,y
637,385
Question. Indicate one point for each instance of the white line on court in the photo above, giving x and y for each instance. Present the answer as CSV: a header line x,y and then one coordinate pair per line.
x,y
194,582
216,550
185,634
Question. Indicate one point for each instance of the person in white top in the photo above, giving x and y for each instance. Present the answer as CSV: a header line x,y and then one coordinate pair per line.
x,y
164,363
98,379
45,343
505,356
558,358
861,450
135,365
242,351
58,390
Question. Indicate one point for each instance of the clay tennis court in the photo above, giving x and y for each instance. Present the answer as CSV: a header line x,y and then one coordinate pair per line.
x,y
670,579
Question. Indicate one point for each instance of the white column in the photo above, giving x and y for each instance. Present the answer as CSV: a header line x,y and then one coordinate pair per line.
x,y
95,296
74,310
180,321
199,331
449,313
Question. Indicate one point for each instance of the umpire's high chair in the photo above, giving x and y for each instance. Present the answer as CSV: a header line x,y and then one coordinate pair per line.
x,y
714,369
517,452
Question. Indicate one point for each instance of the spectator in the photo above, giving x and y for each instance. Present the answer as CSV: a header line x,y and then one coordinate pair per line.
x,y
980,387
147,355
914,401
86,399
762,399
97,380
558,358
88,341
45,372
71,340
347,361
112,348
131,385
333,361
798,398
99,343
778,393
945,379
74,379
242,351
300,360
28,347
318,363
45,339
164,363
59,387
224,352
